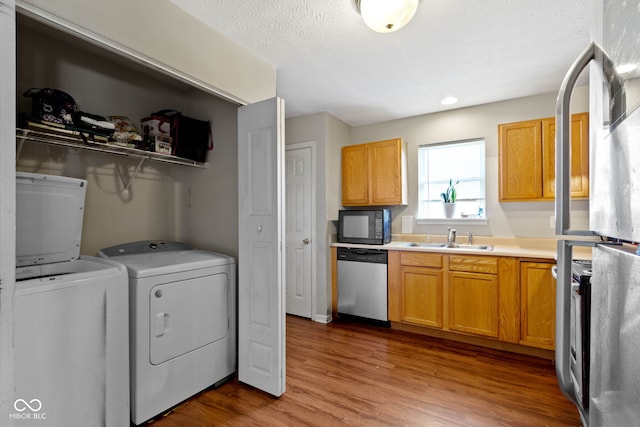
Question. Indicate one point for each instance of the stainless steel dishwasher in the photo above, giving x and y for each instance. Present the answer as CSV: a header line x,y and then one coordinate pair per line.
x,y
362,283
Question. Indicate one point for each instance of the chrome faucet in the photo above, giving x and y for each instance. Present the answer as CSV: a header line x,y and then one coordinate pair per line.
x,y
451,235
470,237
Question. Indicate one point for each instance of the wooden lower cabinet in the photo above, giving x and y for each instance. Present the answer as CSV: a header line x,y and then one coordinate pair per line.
x,y
421,296
420,288
472,295
537,305
492,300
473,303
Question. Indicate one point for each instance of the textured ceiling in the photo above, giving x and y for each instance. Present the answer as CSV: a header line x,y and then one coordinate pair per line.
x,y
478,51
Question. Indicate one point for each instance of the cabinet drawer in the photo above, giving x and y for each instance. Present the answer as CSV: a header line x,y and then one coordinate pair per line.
x,y
473,264
421,259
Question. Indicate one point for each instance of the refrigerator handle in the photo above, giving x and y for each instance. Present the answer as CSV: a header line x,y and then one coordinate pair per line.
x,y
563,141
617,104
563,314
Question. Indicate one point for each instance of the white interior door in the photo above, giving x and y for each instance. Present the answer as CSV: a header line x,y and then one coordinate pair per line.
x,y
300,209
261,270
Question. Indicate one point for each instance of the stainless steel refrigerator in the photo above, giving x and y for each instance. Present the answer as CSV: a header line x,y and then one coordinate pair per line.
x,y
613,62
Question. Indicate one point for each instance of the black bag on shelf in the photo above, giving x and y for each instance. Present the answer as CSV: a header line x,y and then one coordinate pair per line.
x,y
52,105
191,137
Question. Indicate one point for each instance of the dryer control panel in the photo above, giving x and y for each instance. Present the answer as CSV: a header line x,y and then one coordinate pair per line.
x,y
142,247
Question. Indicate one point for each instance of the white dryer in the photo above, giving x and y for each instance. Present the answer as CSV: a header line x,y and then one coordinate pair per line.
x,y
183,322
71,332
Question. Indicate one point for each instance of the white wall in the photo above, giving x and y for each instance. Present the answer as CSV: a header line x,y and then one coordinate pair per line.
x,y
512,219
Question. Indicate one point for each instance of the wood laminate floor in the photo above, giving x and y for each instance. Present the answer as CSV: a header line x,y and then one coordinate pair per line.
x,y
360,375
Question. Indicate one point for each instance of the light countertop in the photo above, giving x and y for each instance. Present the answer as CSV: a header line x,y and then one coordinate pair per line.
x,y
511,247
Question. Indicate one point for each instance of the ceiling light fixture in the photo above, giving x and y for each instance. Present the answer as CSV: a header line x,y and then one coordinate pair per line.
x,y
449,100
386,16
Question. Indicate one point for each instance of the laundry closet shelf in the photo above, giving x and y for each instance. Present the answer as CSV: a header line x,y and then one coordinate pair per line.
x,y
75,141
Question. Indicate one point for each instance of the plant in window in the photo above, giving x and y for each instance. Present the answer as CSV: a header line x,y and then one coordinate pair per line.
x,y
449,196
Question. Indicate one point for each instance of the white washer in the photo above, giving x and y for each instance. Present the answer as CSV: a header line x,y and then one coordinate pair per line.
x,y
183,322
71,332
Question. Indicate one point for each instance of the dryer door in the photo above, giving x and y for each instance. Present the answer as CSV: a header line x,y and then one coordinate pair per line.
x,y
186,315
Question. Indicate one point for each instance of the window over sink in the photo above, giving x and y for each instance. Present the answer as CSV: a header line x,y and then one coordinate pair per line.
x,y
462,163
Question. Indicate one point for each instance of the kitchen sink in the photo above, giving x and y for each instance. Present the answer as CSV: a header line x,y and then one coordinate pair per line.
x,y
450,246
426,245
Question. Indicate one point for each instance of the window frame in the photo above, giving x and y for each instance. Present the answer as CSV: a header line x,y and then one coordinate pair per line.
x,y
457,220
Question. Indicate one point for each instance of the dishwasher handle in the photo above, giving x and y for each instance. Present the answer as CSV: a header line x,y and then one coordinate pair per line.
x,y
377,256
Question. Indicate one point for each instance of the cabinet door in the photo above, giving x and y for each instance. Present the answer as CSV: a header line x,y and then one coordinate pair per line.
x,y
386,171
473,303
422,296
355,175
520,161
537,305
579,156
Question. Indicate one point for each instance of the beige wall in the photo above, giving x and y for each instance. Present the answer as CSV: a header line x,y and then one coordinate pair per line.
x,y
166,202
530,219
328,134
505,219
163,32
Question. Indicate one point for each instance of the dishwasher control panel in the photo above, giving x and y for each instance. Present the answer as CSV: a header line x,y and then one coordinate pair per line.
x,y
377,256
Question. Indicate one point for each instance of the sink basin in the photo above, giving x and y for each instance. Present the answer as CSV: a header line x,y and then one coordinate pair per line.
x,y
474,247
426,245
450,246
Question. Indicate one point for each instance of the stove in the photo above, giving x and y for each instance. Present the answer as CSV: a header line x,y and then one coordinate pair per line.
x,y
580,329
581,270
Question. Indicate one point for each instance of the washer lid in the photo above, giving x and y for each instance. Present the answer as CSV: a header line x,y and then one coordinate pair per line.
x,y
49,212
158,263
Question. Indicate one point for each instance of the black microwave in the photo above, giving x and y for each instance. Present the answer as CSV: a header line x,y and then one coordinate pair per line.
x,y
365,226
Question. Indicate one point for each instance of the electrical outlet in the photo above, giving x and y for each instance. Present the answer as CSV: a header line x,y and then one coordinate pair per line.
x,y
552,221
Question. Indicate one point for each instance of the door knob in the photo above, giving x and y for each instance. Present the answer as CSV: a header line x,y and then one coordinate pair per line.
x,y
306,241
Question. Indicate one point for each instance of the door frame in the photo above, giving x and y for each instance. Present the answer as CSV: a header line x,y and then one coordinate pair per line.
x,y
314,231
8,203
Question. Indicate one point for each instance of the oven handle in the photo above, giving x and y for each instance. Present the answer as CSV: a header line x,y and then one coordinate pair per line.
x,y
563,313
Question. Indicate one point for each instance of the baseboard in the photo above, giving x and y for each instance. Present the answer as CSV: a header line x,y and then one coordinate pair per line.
x,y
322,318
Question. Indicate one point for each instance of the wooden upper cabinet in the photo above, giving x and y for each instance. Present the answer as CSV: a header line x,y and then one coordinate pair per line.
x,y
526,158
520,160
355,175
374,174
579,156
